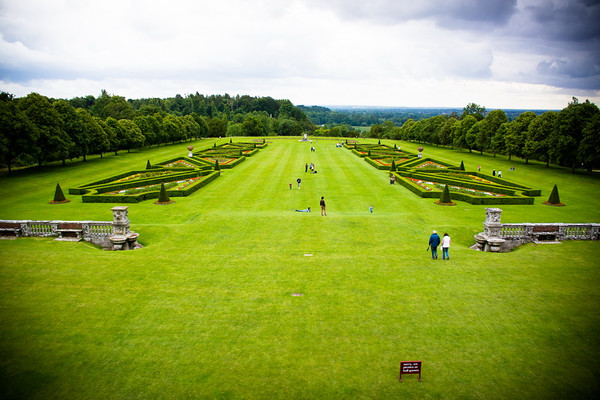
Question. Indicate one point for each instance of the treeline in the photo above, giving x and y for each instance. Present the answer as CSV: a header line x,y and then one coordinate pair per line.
x,y
570,137
368,116
36,129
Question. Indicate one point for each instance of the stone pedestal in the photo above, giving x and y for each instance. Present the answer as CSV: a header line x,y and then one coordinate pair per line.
x,y
480,242
495,244
119,242
122,238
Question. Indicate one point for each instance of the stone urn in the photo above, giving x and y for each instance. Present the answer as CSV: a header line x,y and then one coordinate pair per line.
x,y
190,153
420,152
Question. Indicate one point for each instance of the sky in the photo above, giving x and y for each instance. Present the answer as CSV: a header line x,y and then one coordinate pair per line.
x,y
509,54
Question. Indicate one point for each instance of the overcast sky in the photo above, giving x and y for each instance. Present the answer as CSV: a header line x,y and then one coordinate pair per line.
x,y
533,54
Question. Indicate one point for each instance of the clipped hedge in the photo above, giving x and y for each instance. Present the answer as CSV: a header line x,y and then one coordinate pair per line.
x,y
471,199
99,197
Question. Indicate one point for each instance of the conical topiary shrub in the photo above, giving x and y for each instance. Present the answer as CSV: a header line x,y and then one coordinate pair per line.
x,y
163,198
445,198
217,167
148,165
462,166
554,199
59,196
393,167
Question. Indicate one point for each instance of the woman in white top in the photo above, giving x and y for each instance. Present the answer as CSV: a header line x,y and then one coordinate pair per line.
x,y
445,246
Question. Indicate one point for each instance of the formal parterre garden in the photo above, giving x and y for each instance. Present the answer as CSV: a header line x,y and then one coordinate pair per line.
x,y
427,177
181,176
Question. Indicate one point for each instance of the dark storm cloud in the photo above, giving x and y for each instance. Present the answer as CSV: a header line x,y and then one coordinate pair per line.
x,y
568,35
458,14
574,21
565,34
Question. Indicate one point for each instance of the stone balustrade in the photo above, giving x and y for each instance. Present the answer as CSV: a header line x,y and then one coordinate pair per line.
x,y
110,235
499,237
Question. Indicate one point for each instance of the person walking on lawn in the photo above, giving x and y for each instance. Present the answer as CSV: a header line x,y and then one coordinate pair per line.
x,y
445,246
434,242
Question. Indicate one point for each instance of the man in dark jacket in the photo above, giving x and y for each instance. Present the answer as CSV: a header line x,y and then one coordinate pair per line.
x,y
434,242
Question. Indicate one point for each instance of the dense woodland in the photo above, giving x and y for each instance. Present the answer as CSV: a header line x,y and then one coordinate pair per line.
x,y
36,129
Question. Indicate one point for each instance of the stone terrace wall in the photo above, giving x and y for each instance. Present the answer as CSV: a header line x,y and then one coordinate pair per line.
x,y
110,235
499,237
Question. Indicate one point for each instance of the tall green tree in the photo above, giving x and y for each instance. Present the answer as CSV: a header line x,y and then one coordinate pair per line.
x,y
569,133
537,139
17,134
446,135
474,110
498,142
253,126
115,134
473,134
516,134
112,106
460,136
288,127
132,136
74,127
489,126
97,138
589,147
202,125
173,128
52,142
217,127
433,128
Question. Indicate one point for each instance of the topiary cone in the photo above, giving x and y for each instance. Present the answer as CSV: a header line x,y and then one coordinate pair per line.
x,y
148,165
217,167
59,196
462,166
445,198
163,197
393,167
554,199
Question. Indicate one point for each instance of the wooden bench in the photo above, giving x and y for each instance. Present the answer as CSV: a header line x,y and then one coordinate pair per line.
x,y
10,229
545,233
70,232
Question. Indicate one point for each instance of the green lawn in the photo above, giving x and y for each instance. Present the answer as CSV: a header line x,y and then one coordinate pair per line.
x,y
205,309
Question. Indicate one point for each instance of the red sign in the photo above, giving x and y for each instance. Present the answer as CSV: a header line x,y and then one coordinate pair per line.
x,y
410,367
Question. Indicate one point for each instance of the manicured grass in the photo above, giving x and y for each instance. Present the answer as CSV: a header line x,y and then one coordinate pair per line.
x,y
205,309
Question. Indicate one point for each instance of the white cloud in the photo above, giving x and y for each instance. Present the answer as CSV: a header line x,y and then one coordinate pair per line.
x,y
312,52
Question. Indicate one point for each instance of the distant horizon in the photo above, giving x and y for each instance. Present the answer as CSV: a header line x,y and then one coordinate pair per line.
x,y
359,107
